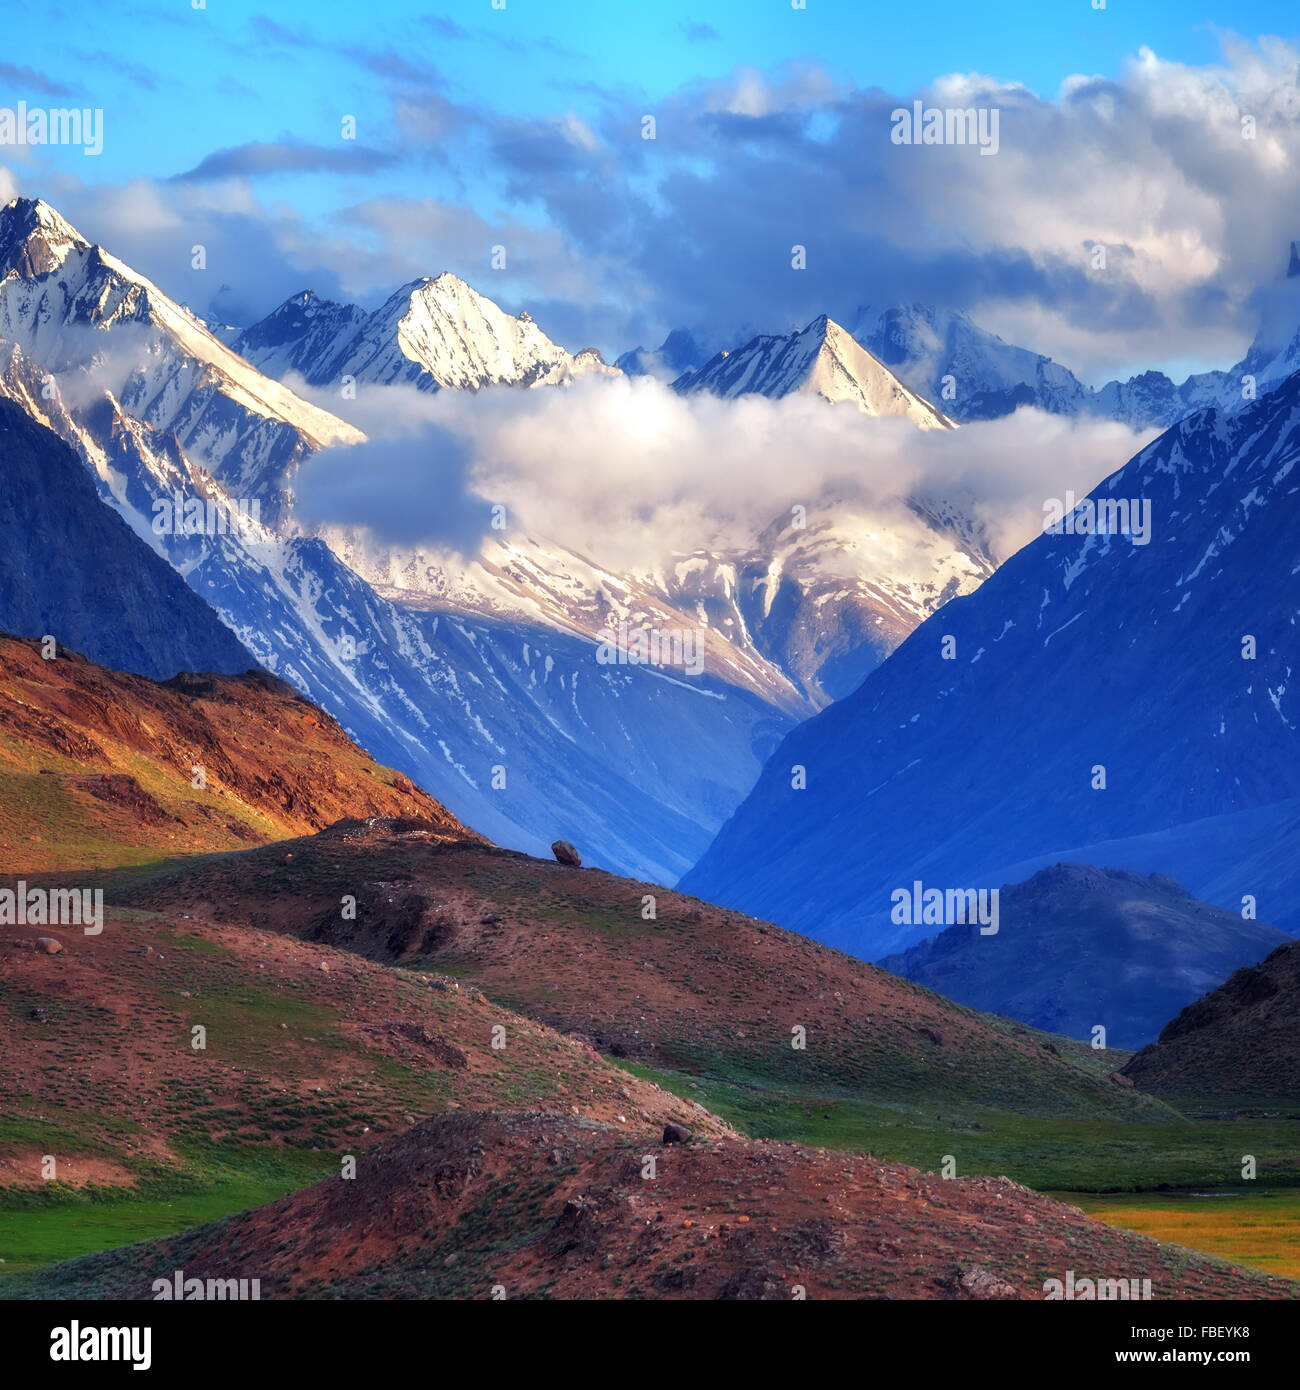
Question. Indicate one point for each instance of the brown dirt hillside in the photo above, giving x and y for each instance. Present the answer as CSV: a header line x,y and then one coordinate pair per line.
x,y
97,767
536,1205
305,1046
1241,1040
696,988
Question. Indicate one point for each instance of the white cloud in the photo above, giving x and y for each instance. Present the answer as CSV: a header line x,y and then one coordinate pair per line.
x,y
627,473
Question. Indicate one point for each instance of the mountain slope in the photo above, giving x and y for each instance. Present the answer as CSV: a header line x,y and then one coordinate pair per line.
x,y
90,320
102,765
1241,1040
1077,947
1082,652
821,359
693,988
309,1055
72,569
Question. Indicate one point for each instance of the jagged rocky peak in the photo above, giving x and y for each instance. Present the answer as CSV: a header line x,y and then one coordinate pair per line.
x,y
821,359
34,238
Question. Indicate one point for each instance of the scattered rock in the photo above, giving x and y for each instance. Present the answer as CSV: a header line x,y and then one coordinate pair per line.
x,y
49,945
566,854
676,1134
977,1282
1119,1079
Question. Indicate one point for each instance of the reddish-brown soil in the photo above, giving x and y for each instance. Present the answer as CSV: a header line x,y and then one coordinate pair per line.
x,y
534,1205
697,987
305,1045
1240,1040
97,768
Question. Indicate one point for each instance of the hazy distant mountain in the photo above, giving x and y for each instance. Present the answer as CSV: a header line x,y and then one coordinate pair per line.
x,y
821,359
971,373
678,353
1078,946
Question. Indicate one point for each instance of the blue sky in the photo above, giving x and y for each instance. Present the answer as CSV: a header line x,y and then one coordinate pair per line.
x,y
478,126
181,82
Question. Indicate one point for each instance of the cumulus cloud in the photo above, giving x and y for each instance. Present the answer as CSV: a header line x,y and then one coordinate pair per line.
x,y
1153,166
1184,175
628,473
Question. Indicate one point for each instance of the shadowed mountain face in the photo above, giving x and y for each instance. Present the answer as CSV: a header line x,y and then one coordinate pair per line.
x,y
1079,947
72,569
1104,697
1240,1040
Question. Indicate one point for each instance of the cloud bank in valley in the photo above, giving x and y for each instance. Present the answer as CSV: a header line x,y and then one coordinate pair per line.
x,y
628,473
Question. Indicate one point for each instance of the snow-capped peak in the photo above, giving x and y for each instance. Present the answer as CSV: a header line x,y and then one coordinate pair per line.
x,y
822,358
34,238
436,331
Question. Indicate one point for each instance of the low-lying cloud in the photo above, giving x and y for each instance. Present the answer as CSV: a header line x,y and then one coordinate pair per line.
x,y
628,473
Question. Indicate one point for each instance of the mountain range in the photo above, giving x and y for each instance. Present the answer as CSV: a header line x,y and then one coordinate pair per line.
x,y
457,673
357,907
1117,693
512,721
478,677
974,375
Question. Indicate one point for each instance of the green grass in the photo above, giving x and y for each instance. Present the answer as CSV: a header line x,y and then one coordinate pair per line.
x,y
1041,1151
56,1223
